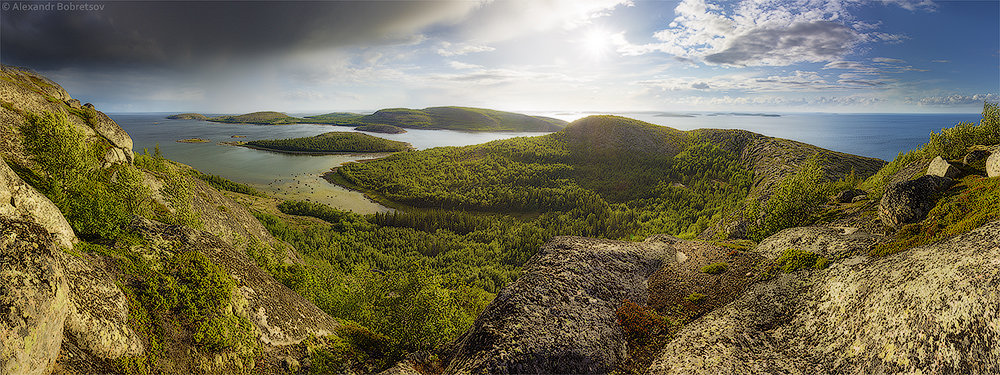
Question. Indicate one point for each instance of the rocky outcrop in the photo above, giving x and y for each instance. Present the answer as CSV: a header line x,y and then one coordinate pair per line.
x,y
23,92
909,201
279,315
33,298
559,316
941,168
931,309
993,163
829,242
20,201
97,319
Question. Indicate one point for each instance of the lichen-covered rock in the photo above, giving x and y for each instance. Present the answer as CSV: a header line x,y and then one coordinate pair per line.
x,y
993,163
33,298
941,168
909,201
98,310
279,315
931,309
975,157
110,130
829,242
20,201
559,316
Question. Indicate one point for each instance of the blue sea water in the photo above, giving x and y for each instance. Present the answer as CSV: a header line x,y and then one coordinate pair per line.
x,y
881,136
878,135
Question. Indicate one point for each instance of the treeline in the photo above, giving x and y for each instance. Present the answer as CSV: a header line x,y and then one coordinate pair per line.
x,y
333,142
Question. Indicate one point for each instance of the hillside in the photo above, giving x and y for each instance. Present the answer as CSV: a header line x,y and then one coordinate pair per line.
x,y
332,142
258,118
188,116
462,118
128,263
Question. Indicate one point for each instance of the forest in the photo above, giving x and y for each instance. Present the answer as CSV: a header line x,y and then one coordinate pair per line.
x,y
333,142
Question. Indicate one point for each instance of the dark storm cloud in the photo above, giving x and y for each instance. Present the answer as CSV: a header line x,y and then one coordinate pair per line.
x,y
177,33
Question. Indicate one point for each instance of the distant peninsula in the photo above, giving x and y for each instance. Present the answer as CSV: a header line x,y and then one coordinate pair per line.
x,y
188,116
395,120
330,143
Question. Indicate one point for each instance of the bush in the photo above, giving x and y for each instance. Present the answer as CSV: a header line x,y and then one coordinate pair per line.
x,y
792,203
792,260
222,183
639,323
715,268
695,297
98,203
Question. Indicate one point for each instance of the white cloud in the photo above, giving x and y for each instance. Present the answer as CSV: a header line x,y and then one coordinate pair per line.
x,y
457,49
798,81
462,66
956,99
508,19
767,32
887,60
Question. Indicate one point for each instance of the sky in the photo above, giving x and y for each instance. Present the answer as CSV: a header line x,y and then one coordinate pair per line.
x,y
521,55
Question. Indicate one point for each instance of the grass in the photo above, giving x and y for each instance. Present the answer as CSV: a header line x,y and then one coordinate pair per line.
x,y
715,268
972,202
792,260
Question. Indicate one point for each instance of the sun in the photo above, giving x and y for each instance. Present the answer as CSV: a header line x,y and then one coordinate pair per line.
x,y
596,43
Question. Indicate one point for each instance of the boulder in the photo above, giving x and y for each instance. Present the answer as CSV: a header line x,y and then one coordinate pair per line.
x,y
941,168
110,130
859,198
33,298
829,242
909,201
98,310
932,309
847,196
73,103
559,315
993,164
20,201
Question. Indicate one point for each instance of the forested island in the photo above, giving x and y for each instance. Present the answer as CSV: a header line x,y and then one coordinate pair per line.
x,y
395,119
332,142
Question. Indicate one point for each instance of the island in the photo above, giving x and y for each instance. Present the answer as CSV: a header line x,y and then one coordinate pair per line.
x,y
188,116
330,143
193,140
381,128
395,120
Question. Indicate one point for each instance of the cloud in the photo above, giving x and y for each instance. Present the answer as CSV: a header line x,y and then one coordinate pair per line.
x,y
509,19
801,42
941,61
767,33
780,101
887,60
461,65
956,99
798,81
449,49
195,33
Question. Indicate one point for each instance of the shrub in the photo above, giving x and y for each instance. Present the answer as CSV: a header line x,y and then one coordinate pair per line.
x,y
639,323
792,203
715,268
792,260
222,183
695,297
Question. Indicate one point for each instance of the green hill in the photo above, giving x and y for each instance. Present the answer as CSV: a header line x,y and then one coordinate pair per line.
x,y
332,142
259,118
188,116
381,128
462,118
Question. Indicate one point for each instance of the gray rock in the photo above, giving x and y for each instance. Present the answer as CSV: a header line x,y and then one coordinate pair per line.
x,y
73,103
89,105
847,196
20,201
110,130
941,168
830,242
931,309
862,197
98,311
559,316
909,201
33,298
993,164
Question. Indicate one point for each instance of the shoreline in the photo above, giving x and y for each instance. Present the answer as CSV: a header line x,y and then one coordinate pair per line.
x,y
318,153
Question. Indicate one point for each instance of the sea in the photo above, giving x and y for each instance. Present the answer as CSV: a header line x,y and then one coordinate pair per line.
x,y
287,176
